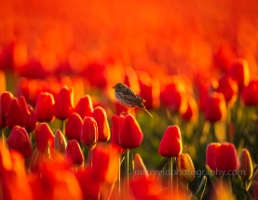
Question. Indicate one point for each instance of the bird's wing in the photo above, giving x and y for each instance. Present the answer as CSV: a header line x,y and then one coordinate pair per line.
x,y
134,98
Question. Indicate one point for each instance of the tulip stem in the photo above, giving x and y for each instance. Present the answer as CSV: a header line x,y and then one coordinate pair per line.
x,y
228,123
119,178
213,132
127,172
2,133
63,126
171,176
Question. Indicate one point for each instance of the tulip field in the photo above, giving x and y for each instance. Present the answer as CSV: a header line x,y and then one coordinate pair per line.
x,y
185,128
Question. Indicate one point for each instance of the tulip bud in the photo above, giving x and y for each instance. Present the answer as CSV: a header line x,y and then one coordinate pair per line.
x,y
60,142
99,114
130,134
117,122
84,107
222,157
43,137
19,140
45,107
240,72
216,107
89,133
18,113
246,165
33,120
74,153
228,87
171,144
185,166
63,107
191,112
5,100
250,93
139,167
73,127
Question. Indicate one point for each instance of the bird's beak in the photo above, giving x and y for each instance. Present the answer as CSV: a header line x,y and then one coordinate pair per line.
x,y
114,87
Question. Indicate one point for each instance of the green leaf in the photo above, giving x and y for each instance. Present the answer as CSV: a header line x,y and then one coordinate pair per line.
x,y
200,191
255,170
161,164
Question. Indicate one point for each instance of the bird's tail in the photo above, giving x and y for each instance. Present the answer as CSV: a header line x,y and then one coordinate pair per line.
x,y
148,112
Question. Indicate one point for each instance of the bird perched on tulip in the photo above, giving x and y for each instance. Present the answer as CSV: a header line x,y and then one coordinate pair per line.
x,y
126,97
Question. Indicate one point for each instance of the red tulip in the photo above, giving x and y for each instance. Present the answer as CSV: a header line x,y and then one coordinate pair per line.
x,y
45,107
60,142
130,134
99,114
191,112
222,157
18,113
89,133
227,87
84,106
74,153
73,127
33,120
171,144
5,100
250,93
44,137
246,165
216,107
240,72
19,140
63,107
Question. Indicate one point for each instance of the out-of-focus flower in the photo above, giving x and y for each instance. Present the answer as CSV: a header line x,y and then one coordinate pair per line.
x,y
33,120
120,109
191,112
5,100
99,114
89,185
130,135
18,113
185,166
84,107
60,142
74,153
250,93
64,107
222,157
19,140
104,163
171,144
246,165
89,133
73,127
2,82
6,56
216,107
45,107
228,87
44,137
240,72
139,167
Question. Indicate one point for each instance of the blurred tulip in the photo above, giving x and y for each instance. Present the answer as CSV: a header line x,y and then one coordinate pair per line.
x,y
191,112
171,144
6,56
89,185
246,165
139,167
19,140
74,153
84,107
120,109
130,135
18,113
60,142
216,107
73,127
228,88
33,120
5,101
117,122
185,166
250,93
99,114
240,72
89,133
222,157
44,137
63,107
45,107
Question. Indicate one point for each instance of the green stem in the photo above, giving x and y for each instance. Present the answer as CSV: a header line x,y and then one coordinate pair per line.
x,y
127,172
171,176
228,124
63,126
119,178
213,132
2,133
